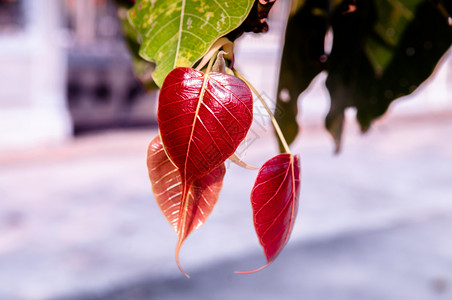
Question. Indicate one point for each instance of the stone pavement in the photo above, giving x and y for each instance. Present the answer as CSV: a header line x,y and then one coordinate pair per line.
x,y
78,221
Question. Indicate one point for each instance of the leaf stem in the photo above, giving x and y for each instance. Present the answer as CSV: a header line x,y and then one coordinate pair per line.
x,y
211,61
272,117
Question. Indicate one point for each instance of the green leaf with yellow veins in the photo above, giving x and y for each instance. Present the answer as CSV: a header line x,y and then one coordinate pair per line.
x,y
176,33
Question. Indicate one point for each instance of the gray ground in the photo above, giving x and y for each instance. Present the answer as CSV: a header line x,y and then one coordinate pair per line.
x,y
79,221
409,261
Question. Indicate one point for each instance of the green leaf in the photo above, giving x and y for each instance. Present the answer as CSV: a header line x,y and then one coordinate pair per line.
x,y
178,33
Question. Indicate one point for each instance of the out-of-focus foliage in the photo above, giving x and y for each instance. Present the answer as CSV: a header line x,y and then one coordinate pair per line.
x,y
143,69
255,21
382,50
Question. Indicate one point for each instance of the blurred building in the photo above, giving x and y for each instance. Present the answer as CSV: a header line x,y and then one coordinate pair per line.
x,y
102,90
32,74
64,69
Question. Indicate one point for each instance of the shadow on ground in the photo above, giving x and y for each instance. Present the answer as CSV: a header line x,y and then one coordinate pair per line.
x,y
408,261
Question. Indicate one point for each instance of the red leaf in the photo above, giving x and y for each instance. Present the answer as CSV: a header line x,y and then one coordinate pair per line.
x,y
185,215
274,200
202,119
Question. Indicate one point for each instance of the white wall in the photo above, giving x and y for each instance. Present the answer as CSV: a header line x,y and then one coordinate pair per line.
x,y
32,81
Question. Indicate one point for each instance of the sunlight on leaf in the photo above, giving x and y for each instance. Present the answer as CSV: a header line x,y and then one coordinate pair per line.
x,y
203,118
183,215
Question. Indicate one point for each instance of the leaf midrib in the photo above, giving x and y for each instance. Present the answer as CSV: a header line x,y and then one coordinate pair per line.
x,y
179,36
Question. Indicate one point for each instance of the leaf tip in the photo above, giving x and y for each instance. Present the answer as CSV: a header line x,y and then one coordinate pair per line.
x,y
253,271
337,147
179,244
235,159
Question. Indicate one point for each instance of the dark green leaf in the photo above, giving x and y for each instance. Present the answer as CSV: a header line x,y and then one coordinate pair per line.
x,y
393,18
382,50
301,61
352,79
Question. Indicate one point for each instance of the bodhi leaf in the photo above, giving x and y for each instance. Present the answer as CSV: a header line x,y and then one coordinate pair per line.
x,y
177,33
203,118
184,215
274,200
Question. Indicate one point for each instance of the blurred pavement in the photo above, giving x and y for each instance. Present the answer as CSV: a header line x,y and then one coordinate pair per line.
x,y
78,221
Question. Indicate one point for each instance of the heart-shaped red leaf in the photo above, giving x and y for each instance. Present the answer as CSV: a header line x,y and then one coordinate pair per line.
x,y
202,119
184,215
274,200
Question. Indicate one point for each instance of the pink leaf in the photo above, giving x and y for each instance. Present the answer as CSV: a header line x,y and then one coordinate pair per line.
x,y
184,214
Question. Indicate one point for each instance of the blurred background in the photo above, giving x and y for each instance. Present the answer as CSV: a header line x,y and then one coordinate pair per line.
x,y
77,215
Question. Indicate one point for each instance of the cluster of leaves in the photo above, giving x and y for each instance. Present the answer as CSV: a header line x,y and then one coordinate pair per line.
x,y
381,50
203,117
205,113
